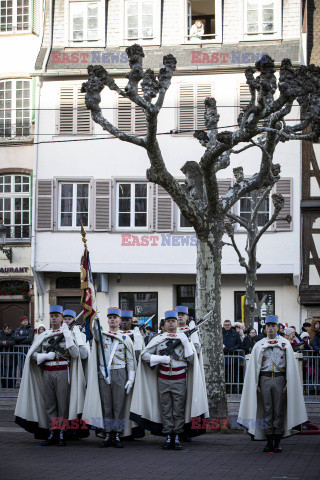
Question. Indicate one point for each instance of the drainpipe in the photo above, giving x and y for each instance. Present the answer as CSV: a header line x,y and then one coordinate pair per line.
x,y
51,25
40,293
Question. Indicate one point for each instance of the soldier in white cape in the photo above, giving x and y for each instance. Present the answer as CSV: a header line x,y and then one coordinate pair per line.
x,y
145,405
93,405
30,412
272,360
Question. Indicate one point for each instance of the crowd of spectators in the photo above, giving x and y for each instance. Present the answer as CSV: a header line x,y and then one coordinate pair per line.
x,y
237,337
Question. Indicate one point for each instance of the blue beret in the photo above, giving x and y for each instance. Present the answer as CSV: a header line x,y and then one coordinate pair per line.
x,y
272,319
69,313
114,311
127,313
182,309
170,314
56,309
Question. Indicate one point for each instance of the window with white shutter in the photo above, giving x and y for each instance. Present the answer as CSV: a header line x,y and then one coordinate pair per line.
x,y
245,209
162,210
87,23
132,206
102,205
36,17
142,21
15,109
44,205
262,19
191,107
131,118
74,117
73,205
15,16
203,21
15,202
284,188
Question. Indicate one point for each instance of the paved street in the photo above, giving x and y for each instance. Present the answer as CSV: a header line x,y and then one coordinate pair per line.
x,y
216,456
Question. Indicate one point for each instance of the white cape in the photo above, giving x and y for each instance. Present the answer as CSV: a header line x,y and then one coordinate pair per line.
x,y
30,409
92,410
251,408
145,405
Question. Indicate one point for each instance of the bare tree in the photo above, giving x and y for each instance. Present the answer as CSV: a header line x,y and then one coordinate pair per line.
x,y
199,202
254,234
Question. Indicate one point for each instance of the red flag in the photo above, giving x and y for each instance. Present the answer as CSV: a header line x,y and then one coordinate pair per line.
x,y
88,299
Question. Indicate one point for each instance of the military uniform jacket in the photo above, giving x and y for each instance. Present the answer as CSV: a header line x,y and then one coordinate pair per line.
x,y
30,409
145,405
92,410
177,368
63,354
116,352
251,414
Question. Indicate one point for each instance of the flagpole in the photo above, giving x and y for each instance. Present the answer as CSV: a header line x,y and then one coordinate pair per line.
x,y
84,239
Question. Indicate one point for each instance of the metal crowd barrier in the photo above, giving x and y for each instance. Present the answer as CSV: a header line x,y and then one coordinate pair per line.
x,y
234,369
11,368
12,363
310,366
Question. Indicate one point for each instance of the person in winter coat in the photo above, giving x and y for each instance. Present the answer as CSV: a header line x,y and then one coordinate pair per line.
x,y
231,338
249,340
315,328
316,338
7,363
25,333
231,343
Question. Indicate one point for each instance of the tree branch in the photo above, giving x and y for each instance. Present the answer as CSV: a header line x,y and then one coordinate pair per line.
x,y
230,233
239,220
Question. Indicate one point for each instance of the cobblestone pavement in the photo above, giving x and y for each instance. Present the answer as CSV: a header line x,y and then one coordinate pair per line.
x,y
213,456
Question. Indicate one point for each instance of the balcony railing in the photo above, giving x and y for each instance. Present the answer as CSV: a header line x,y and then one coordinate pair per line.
x,y
18,233
19,131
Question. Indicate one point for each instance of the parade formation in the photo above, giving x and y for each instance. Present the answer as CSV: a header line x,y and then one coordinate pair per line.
x,y
109,381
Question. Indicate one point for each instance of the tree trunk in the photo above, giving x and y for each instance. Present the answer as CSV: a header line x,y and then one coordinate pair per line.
x,y
251,278
208,297
249,305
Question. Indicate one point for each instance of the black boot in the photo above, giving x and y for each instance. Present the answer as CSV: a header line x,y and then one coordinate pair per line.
x,y
176,443
277,447
269,447
51,440
168,443
117,442
107,442
61,441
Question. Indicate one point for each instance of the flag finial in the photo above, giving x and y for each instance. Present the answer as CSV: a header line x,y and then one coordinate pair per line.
x,y
84,238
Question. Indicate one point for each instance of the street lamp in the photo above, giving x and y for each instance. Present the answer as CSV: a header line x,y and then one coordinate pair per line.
x,y
3,241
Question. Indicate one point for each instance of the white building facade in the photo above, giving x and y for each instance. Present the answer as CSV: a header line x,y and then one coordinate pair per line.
x,y
143,253
20,40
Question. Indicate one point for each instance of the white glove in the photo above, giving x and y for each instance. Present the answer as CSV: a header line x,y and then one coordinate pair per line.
x,y
129,384
78,335
42,357
184,339
156,359
67,335
186,344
